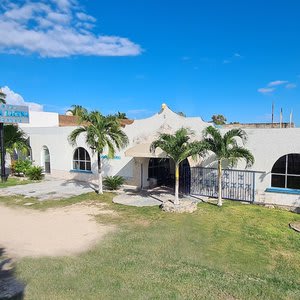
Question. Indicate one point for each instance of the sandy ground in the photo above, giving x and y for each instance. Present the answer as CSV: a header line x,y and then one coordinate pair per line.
x,y
55,232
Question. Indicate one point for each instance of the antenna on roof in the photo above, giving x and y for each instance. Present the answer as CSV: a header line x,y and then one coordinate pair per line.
x,y
291,118
280,121
272,114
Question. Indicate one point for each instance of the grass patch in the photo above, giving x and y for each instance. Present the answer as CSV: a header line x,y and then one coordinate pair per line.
x,y
11,181
234,252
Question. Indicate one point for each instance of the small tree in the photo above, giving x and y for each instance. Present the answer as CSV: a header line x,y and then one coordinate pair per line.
x,y
15,140
178,147
77,110
182,114
226,148
100,132
219,119
121,115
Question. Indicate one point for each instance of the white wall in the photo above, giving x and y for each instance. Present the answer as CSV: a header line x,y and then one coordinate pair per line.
x,y
41,119
267,145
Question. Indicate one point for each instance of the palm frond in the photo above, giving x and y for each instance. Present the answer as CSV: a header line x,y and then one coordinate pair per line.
x,y
232,134
237,153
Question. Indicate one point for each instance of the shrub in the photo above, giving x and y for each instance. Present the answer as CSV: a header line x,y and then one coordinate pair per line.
x,y
113,182
20,167
35,173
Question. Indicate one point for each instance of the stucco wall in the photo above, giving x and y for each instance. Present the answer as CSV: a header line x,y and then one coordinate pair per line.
x,y
41,119
267,145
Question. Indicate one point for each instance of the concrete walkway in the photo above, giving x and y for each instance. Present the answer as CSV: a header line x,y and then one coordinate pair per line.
x,y
153,197
49,189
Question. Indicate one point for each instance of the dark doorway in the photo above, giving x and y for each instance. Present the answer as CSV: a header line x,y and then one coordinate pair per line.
x,y
163,171
159,169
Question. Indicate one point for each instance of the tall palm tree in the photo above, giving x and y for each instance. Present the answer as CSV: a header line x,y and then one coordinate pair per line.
x,y
227,149
2,97
101,132
178,147
77,110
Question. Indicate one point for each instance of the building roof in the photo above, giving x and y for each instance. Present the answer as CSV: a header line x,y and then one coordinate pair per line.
x,y
65,120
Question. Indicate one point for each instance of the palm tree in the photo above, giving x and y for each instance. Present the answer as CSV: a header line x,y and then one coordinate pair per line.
x,y
101,132
15,139
121,115
227,149
2,97
77,110
178,148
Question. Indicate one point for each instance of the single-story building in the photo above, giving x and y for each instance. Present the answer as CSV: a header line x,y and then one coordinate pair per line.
x,y
273,179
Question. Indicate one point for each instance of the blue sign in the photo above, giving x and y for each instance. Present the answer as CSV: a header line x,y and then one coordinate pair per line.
x,y
115,157
14,113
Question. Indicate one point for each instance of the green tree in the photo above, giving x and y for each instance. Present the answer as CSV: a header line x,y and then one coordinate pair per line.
x,y
178,147
182,114
226,148
219,119
121,116
77,110
101,132
15,139
2,97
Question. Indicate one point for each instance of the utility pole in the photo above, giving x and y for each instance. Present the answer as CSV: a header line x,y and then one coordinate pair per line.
x,y
2,147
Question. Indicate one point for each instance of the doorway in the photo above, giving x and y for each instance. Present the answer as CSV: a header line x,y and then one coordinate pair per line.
x,y
46,160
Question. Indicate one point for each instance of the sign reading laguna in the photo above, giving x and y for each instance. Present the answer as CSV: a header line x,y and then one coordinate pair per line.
x,y
14,113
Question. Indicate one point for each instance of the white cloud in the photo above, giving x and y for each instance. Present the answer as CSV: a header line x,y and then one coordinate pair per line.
x,y
56,28
234,57
291,86
17,99
226,61
277,82
266,90
84,17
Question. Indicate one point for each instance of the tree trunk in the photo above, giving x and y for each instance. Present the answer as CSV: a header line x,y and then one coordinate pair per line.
x,y
100,187
176,202
220,182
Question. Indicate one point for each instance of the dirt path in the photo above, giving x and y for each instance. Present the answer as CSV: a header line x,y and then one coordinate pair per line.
x,y
55,232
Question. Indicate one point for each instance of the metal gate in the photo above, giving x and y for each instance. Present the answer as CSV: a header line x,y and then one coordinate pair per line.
x,y
236,184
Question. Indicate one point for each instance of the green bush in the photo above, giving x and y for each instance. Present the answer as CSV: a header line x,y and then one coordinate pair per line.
x,y
20,167
35,173
113,182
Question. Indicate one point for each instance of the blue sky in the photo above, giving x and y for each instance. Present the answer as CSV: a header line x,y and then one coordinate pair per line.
x,y
199,57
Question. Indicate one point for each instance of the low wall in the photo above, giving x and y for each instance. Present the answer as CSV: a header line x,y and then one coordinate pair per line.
x,y
279,199
86,177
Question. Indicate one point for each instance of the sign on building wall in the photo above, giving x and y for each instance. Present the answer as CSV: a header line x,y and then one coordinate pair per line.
x,y
14,113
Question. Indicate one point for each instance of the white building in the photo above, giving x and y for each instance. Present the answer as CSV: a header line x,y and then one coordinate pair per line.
x,y
273,179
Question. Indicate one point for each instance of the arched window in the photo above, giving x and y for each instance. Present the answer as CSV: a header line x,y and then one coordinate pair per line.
x,y
286,172
81,160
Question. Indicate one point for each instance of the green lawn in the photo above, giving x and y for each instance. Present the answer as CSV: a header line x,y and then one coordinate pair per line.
x,y
11,181
234,252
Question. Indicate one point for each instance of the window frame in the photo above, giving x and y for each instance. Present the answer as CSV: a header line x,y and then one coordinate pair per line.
x,y
285,174
86,161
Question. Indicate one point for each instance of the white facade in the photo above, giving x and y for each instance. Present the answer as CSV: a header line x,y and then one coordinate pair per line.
x,y
267,146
